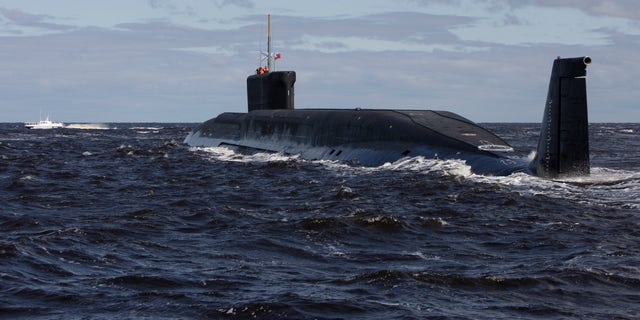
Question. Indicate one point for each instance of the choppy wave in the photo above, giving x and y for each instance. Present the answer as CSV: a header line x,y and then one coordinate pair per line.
x,y
130,223
604,186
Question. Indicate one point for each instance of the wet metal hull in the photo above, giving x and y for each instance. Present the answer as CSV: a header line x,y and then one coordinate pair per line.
x,y
362,137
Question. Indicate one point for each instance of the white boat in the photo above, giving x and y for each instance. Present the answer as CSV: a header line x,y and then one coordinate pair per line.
x,y
44,124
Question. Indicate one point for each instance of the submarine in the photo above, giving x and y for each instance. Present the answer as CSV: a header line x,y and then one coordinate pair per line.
x,y
373,137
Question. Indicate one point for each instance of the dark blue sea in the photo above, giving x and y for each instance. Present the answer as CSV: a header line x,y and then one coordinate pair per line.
x,y
130,223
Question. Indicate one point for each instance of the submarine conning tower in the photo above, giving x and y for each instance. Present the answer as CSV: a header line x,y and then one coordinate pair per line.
x,y
270,90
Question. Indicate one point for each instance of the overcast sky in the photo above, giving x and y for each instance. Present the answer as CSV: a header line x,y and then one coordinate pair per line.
x,y
187,60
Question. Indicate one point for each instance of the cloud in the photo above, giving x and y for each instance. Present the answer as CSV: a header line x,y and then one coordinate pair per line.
x,y
393,25
168,66
247,4
347,44
18,22
132,73
396,31
173,8
533,22
614,8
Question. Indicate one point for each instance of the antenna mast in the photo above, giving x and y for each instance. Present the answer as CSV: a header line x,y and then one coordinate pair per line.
x,y
269,58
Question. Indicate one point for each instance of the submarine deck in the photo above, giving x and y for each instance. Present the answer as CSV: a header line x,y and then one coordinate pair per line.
x,y
362,136
339,126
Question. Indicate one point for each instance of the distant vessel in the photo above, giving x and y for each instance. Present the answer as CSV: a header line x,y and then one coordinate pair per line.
x,y
44,124
374,137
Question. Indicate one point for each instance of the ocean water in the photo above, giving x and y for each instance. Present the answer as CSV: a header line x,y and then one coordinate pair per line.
x,y
126,222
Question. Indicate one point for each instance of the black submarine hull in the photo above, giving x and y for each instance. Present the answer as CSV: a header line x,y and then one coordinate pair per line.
x,y
361,137
374,137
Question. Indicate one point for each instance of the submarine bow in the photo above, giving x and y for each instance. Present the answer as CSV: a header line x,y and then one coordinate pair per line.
x,y
374,137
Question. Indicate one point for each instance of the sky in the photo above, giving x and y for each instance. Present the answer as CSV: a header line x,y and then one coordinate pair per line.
x,y
187,60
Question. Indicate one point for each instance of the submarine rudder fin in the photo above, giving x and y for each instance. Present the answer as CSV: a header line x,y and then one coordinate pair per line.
x,y
563,145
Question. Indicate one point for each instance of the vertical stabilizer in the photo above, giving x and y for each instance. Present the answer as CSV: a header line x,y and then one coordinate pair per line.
x,y
563,146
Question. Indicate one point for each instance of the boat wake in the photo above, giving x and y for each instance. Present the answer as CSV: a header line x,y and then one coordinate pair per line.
x,y
225,154
88,126
604,187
